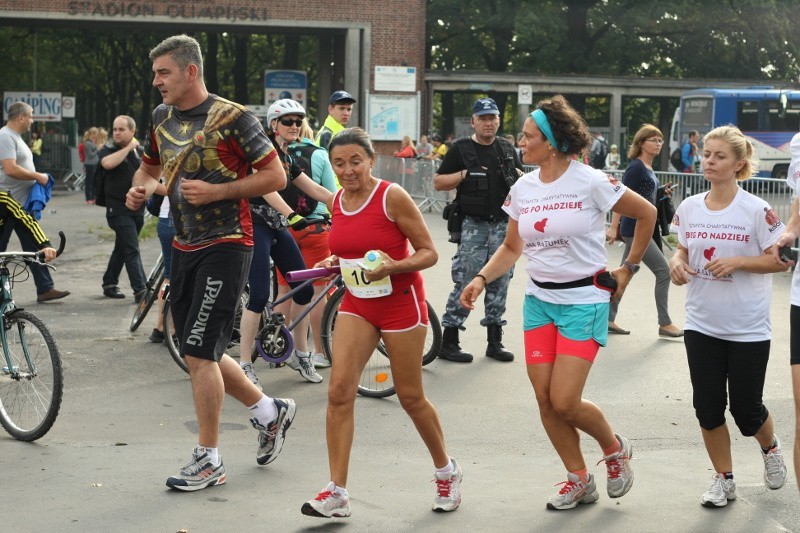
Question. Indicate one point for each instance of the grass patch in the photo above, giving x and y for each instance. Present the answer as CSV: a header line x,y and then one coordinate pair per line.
x,y
104,233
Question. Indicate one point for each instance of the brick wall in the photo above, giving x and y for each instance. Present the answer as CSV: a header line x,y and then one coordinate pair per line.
x,y
397,26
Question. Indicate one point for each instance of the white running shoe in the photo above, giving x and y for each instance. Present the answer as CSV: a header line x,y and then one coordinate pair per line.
x,y
618,468
448,489
328,503
774,466
320,361
721,491
573,493
251,374
271,438
303,364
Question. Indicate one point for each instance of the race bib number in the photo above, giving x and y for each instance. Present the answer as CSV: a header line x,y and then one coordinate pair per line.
x,y
357,283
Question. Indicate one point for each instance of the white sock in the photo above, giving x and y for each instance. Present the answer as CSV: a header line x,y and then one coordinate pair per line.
x,y
447,469
264,411
341,491
304,355
244,363
213,453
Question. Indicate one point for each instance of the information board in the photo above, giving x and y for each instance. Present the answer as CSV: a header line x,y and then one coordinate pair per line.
x,y
392,116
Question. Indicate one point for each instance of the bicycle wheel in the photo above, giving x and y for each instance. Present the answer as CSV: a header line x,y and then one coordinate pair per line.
x,y
433,339
171,340
30,394
376,379
173,343
152,286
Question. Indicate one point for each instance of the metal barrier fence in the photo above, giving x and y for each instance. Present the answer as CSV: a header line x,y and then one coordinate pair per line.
x,y
416,177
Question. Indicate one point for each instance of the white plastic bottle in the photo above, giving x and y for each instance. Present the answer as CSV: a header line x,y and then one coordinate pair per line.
x,y
372,260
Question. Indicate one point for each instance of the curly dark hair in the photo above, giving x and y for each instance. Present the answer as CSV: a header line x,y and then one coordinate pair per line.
x,y
567,124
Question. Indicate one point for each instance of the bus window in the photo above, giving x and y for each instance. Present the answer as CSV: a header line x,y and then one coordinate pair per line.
x,y
747,115
696,114
790,121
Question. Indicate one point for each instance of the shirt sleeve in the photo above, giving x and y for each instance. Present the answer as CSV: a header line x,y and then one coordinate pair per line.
x,y
606,190
510,205
768,226
253,140
451,162
321,168
150,156
677,226
8,148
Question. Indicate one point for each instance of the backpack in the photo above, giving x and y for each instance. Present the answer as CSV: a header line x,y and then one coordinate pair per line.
x,y
599,156
676,159
300,202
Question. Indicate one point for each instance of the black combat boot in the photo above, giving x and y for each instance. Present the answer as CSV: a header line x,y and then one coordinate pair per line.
x,y
451,350
495,349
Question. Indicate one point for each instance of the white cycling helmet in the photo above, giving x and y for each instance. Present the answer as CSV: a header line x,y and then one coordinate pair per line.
x,y
286,106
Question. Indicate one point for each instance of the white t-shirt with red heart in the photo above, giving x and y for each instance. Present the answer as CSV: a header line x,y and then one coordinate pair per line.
x,y
562,225
734,307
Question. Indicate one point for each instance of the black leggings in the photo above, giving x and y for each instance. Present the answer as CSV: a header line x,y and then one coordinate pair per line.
x,y
742,366
794,338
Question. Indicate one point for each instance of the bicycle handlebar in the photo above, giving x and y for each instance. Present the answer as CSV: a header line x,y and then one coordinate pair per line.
x,y
37,256
310,273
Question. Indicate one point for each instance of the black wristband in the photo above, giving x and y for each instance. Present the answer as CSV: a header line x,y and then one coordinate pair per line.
x,y
485,281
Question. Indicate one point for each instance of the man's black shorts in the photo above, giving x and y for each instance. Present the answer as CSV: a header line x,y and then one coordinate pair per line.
x,y
204,290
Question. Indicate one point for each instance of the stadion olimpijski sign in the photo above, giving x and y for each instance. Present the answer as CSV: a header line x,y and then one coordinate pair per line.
x,y
175,9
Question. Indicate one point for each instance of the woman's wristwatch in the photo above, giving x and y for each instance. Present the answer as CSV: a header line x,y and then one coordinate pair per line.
x,y
633,267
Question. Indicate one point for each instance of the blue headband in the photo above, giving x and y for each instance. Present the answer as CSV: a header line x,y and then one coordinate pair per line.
x,y
540,118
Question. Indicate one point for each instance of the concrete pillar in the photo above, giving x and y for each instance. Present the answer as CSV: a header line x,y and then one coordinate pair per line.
x,y
324,78
615,118
351,74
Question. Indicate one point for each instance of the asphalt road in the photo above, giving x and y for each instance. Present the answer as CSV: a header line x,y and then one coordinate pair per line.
x,y
127,423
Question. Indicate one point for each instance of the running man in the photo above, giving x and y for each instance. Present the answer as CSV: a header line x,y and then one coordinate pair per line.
x,y
205,147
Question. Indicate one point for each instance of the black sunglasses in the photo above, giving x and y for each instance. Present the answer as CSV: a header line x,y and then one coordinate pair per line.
x,y
288,122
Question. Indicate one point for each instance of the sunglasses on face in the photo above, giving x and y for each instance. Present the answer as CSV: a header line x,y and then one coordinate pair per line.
x,y
289,121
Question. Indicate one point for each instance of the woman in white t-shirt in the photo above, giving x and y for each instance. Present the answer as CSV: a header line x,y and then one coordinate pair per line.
x,y
557,219
788,239
725,257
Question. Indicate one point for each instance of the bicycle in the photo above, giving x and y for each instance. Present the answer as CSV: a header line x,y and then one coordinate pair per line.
x,y
152,286
31,379
376,378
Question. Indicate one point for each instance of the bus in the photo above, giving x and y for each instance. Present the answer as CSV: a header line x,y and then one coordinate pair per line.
x,y
768,117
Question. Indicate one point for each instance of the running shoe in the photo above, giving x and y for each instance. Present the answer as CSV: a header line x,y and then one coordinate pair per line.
x,y
448,489
303,364
774,466
721,491
573,492
251,374
198,474
320,361
270,438
618,468
328,503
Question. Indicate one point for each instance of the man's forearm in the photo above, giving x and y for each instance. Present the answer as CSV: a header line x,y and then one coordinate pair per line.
x,y
115,159
267,180
448,182
20,173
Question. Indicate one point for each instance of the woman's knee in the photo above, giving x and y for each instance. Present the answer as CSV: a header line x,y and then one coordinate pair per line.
x,y
304,295
566,408
749,419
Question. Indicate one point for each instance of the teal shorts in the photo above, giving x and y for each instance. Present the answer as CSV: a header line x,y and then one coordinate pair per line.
x,y
579,322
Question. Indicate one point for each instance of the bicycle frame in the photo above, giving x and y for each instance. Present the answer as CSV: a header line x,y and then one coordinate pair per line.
x,y
7,305
275,341
272,305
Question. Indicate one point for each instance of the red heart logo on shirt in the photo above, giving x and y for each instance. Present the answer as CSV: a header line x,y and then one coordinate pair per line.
x,y
539,226
709,253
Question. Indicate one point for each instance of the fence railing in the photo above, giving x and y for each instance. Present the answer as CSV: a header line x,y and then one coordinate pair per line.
x,y
416,177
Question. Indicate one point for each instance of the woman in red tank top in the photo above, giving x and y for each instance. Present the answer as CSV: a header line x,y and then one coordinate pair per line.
x,y
370,214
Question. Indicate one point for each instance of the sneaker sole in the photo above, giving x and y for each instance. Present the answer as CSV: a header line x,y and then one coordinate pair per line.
x,y
191,488
712,505
287,421
589,498
309,510
446,509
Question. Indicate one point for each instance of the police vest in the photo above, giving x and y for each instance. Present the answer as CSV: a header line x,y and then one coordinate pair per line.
x,y
482,192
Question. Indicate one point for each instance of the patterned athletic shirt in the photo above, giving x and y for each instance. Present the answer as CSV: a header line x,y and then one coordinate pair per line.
x,y
217,141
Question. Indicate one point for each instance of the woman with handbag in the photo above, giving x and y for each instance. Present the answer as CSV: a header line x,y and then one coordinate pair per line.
x,y
640,178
